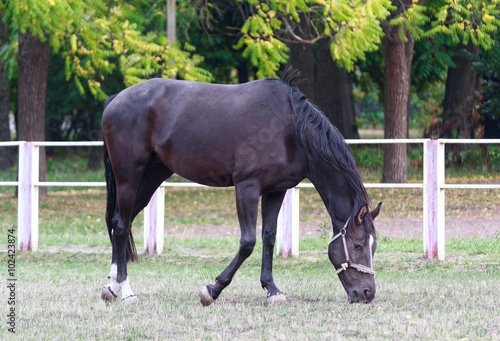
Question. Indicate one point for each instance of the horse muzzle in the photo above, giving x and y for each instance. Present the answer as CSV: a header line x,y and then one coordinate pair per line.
x,y
362,295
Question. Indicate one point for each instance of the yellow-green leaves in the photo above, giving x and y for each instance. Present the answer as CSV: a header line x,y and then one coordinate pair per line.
x,y
261,47
352,25
466,21
411,20
72,40
355,29
92,35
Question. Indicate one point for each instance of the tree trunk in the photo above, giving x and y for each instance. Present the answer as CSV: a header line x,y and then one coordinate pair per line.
x,y
96,153
459,94
33,65
302,59
398,56
324,83
6,159
242,72
334,91
459,100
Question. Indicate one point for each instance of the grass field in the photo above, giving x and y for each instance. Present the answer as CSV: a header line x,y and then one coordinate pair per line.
x,y
58,292
58,297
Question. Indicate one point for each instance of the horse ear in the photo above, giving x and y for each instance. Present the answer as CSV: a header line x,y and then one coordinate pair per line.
x,y
376,210
361,214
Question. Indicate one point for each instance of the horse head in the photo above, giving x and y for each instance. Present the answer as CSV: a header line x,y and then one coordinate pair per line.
x,y
351,252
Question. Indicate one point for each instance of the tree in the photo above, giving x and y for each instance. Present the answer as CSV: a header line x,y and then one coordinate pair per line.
x,y
397,46
6,159
460,93
326,84
462,21
488,70
90,35
33,66
274,23
213,28
355,27
323,82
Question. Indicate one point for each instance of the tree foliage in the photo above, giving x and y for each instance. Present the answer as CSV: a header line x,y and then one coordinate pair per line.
x,y
466,20
97,36
488,67
354,26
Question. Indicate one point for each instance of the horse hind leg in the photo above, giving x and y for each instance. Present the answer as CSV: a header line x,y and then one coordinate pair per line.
x,y
111,291
271,205
122,190
153,176
119,283
151,179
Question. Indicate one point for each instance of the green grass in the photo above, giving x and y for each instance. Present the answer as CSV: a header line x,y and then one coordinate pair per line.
x,y
453,246
58,292
58,298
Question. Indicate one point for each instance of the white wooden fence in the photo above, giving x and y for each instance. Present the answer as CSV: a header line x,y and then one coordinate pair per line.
x,y
433,186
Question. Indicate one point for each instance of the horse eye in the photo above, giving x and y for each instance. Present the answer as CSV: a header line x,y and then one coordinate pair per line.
x,y
357,247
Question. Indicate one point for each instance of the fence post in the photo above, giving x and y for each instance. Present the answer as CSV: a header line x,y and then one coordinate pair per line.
x,y
154,222
27,212
287,234
434,200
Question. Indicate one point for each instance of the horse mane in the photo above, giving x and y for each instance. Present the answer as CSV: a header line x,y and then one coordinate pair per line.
x,y
326,139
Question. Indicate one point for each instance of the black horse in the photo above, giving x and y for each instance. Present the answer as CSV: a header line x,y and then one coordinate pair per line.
x,y
262,137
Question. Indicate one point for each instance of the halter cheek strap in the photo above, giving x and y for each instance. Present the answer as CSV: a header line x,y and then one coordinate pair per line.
x,y
348,263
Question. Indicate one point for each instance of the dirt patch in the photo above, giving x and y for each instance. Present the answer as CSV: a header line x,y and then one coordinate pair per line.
x,y
409,227
456,227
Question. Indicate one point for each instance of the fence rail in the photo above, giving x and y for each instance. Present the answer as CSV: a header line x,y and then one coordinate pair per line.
x,y
433,186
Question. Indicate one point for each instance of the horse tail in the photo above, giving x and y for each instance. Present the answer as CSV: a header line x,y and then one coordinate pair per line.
x,y
111,200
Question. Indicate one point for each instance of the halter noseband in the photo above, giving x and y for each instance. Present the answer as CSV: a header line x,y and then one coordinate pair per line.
x,y
348,263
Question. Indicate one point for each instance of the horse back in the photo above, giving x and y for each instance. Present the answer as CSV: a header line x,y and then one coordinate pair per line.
x,y
209,133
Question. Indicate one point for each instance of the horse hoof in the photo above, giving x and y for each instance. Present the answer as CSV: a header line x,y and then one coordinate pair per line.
x,y
107,295
129,300
276,299
205,297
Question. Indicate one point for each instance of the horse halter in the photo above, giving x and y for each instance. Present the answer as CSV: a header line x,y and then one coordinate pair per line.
x,y
348,263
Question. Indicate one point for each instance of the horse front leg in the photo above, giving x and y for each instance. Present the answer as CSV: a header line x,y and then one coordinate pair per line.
x,y
247,201
271,205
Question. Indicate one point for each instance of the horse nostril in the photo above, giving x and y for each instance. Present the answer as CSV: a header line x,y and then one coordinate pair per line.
x,y
354,298
368,295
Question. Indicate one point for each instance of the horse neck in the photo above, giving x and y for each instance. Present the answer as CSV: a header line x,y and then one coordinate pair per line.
x,y
335,192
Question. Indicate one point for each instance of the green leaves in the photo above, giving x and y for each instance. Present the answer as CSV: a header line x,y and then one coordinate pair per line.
x,y
465,21
411,20
353,26
262,49
43,17
93,36
96,37
358,29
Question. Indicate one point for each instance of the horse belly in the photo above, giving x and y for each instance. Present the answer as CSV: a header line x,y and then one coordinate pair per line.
x,y
206,162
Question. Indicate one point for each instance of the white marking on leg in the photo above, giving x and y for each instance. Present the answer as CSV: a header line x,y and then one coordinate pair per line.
x,y
114,271
113,285
126,290
371,251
